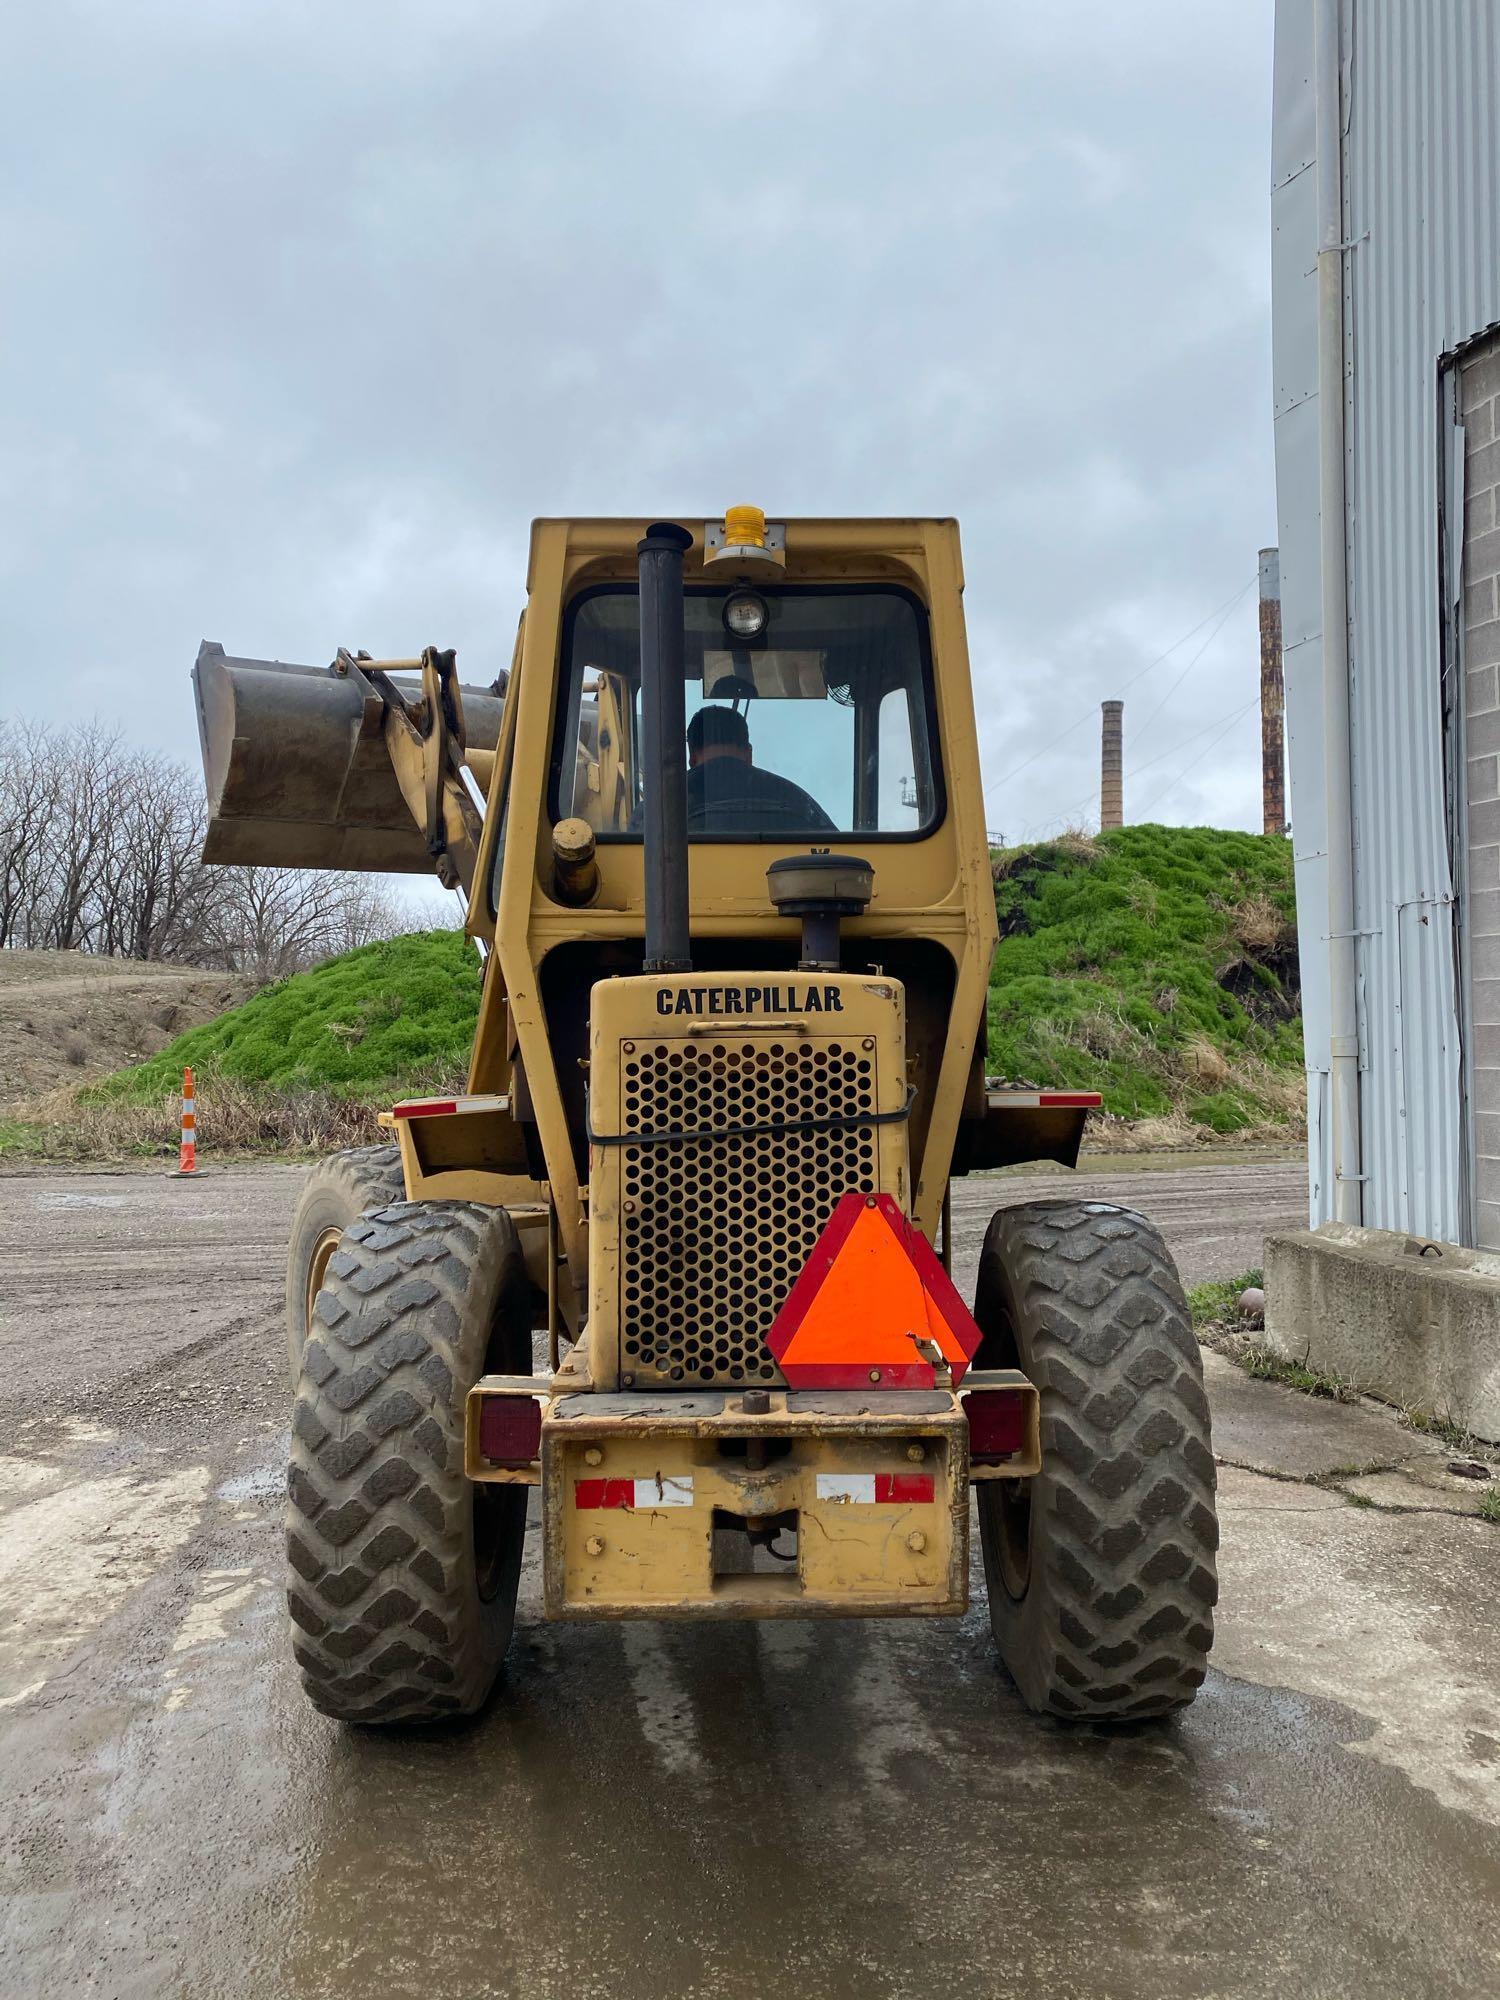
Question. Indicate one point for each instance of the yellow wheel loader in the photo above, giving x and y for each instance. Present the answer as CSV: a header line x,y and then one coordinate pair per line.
x,y
678,1256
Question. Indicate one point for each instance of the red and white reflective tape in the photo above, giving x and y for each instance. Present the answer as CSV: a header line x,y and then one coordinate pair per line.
x,y
1045,1100
638,1494
875,1489
187,1145
447,1107
869,1489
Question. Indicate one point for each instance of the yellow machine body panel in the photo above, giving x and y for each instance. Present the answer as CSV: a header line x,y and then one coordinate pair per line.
x,y
727,1114
645,1500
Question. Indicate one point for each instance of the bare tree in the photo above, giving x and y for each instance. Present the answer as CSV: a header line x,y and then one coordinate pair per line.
x,y
160,894
272,921
31,785
100,851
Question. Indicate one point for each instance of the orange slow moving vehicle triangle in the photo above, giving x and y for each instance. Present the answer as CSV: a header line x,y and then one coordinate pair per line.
x,y
871,1290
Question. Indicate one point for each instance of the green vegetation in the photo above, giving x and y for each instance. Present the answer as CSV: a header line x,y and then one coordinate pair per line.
x,y
1431,1423
1489,1505
1218,1301
1264,1366
20,1140
1220,1324
1157,965
304,1067
361,1026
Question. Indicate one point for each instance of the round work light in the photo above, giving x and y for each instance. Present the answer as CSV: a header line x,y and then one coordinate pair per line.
x,y
745,615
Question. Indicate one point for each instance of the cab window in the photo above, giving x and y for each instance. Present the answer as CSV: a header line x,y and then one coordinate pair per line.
x,y
809,714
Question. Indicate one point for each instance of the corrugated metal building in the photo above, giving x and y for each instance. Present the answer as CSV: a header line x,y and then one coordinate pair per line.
x,y
1386,286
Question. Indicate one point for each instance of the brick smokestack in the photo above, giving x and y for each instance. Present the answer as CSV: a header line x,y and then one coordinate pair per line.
x,y
1272,696
1111,768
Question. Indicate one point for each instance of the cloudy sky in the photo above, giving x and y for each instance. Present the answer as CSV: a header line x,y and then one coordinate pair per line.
x,y
309,309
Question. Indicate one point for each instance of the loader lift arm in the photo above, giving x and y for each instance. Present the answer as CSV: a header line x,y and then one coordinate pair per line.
x,y
426,742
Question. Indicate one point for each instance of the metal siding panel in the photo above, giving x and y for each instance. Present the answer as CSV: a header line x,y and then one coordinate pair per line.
x,y
1294,285
1293,142
1471,557
1297,526
1304,745
1422,160
1421,142
1294,292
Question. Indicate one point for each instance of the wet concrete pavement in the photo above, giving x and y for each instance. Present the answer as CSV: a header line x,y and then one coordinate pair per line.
x,y
851,1809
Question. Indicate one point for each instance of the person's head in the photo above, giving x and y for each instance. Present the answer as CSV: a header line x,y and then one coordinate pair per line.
x,y
718,732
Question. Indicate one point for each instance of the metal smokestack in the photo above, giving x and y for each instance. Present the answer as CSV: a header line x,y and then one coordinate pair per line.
x,y
663,761
1111,766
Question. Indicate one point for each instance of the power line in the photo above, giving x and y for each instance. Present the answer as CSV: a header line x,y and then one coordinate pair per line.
x,y
1066,812
1061,736
1193,661
1159,758
1197,761
1183,742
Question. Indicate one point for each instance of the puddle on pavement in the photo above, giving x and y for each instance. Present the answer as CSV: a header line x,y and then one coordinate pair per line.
x,y
720,1812
681,1810
694,1811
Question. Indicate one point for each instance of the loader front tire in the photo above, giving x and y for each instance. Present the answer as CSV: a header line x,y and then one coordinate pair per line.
x,y
402,1573
1100,1570
338,1192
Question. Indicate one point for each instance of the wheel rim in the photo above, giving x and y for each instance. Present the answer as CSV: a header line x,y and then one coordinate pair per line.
x,y
317,1269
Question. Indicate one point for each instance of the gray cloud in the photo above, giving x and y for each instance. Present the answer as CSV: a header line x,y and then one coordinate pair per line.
x,y
310,310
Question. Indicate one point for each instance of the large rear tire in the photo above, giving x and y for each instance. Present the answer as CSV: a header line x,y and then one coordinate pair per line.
x,y
338,1192
1100,1570
402,1572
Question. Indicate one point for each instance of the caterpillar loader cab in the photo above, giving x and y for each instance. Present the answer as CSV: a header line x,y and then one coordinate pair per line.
x,y
725,857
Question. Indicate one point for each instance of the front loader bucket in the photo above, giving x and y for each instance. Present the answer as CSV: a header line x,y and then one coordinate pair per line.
x,y
296,768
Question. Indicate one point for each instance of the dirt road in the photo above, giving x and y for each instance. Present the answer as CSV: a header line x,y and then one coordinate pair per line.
x,y
853,1809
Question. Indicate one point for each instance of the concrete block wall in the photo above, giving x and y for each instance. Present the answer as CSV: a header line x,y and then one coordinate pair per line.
x,y
1417,1323
1479,407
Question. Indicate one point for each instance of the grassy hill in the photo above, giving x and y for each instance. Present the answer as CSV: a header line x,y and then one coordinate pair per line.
x,y
302,1067
1156,964
361,1025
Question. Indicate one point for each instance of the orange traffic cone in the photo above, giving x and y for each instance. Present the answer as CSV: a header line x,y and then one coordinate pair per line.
x,y
187,1149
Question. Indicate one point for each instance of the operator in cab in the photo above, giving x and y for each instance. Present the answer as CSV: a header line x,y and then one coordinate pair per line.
x,y
728,792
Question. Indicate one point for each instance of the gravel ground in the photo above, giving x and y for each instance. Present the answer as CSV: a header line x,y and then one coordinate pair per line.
x,y
842,1809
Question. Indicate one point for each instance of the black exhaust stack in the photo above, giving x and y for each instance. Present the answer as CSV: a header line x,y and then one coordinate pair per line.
x,y
663,763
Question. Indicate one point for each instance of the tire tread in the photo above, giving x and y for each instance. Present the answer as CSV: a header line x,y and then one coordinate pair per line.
x,y
1124,1622
386,1622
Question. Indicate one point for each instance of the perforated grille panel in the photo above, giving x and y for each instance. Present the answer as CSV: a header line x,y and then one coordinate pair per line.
x,y
715,1232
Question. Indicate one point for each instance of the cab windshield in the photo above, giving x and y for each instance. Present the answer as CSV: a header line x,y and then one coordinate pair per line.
x,y
809,713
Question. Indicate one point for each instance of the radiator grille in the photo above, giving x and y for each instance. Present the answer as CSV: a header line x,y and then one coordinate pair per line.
x,y
715,1232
